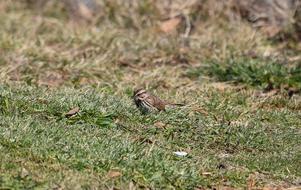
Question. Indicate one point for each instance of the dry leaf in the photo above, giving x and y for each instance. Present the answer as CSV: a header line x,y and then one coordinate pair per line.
x,y
114,173
170,25
72,112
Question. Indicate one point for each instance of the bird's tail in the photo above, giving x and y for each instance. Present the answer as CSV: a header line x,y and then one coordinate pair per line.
x,y
176,104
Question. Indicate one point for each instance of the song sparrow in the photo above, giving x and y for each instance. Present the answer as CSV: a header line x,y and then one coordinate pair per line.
x,y
147,102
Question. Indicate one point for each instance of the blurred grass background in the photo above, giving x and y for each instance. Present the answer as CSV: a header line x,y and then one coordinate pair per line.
x,y
139,35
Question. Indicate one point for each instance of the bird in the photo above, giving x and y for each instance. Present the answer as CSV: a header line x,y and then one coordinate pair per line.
x,y
147,102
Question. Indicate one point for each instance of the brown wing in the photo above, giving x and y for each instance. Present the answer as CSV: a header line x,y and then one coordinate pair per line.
x,y
158,103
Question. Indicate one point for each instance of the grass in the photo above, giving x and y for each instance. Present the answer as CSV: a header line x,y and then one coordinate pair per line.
x,y
255,72
230,144
236,137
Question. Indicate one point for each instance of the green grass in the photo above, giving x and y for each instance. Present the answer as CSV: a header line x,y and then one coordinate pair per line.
x,y
110,134
255,72
232,134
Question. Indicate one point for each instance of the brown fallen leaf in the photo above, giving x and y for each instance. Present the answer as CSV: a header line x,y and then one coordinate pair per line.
x,y
113,174
170,25
72,112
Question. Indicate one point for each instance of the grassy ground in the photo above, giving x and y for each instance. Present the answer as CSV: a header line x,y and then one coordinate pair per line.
x,y
240,126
